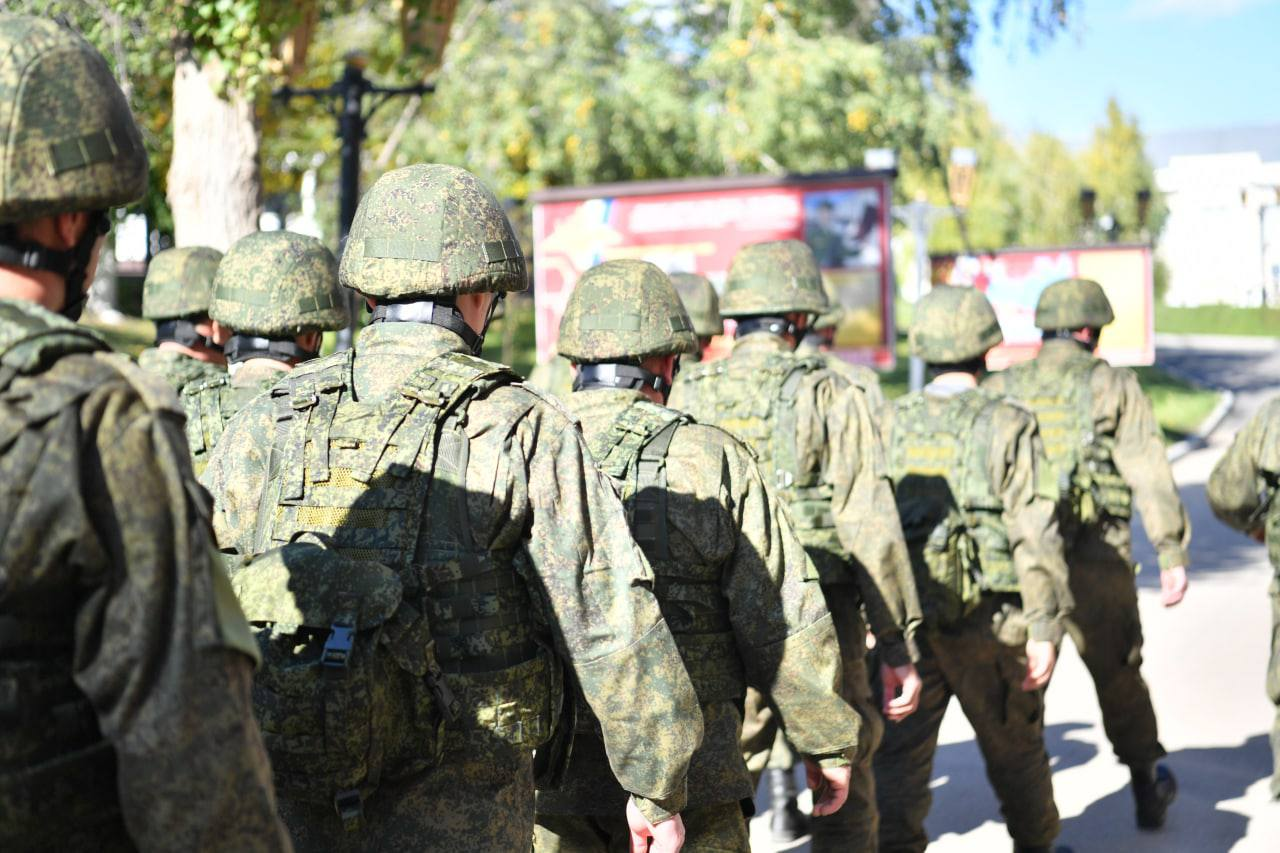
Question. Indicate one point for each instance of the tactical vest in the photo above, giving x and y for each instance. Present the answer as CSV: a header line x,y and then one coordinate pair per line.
x,y
55,766
385,482
951,514
633,453
758,406
209,404
1089,484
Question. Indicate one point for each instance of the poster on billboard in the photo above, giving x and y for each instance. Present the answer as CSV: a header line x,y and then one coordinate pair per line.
x,y
698,226
1013,280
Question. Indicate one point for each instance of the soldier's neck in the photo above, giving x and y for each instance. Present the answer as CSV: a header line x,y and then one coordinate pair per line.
x,y
39,286
956,379
259,366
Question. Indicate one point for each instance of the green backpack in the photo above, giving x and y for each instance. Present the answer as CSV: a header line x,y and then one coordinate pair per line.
x,y
951,516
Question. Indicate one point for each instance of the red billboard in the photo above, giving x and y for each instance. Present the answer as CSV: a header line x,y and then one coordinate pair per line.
x,y
698,225
1013,280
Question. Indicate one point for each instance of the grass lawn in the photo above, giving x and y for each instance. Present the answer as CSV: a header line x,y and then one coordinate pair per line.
x,y
1218,320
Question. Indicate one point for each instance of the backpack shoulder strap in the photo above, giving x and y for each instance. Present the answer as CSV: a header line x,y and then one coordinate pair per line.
x,y
637,442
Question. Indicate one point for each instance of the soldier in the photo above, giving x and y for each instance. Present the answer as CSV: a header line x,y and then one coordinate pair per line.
x,y
510,552
125,664
1100,434
1242,493
820,339
703,304
730,571
274,296
176,295
813,434
967,465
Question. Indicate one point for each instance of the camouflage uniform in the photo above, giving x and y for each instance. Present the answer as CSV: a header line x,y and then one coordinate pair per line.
x,y
968,468
1242,492
731,575
271,287
833,481
701,301
817,343
1088,408
125,666
510,551
178,289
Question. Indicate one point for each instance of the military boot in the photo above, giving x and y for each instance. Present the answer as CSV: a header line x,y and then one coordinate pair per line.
x,y
1153,790
786,821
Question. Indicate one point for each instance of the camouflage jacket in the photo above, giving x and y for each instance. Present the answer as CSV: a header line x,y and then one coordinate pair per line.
x,y
1017,476
176,368
1123,416
859,374
724,520
530,486
837,440
1242,487
210,402
108,560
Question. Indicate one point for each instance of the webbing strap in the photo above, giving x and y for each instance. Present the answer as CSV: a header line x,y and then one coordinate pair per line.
x,y
649,518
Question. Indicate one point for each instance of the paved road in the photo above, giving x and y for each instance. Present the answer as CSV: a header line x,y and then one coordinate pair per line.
x,y
1205,661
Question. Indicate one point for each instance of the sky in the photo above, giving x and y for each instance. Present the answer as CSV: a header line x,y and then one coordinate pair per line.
x,y
1175,64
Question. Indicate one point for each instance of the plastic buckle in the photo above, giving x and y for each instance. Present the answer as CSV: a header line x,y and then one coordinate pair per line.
x,y
337,649
350,809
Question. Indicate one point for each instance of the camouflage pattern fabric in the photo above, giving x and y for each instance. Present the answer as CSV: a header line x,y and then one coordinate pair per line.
x,y
178,369
856,374
553,376
431,230
701,301
528,492
633,313
1242,492
210,403
1106,625
979,658
179,283
68,139
719,828
985,676
733,586
773,278
132,664
277,285
1074,303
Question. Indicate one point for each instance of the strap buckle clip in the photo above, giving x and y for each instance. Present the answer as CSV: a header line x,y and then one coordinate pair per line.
x,y
337,649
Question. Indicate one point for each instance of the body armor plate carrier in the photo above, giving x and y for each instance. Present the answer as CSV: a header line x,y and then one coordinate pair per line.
x,y
951,515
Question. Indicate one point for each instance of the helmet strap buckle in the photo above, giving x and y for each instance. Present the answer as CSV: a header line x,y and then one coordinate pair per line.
x,y
628,376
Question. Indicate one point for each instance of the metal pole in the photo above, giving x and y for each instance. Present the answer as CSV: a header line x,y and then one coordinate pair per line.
x,y
351,132
919,212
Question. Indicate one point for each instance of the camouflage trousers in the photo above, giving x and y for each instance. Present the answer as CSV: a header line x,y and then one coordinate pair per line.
x,y
855,826
1108,632
985,675
719,828
1273,686
477,798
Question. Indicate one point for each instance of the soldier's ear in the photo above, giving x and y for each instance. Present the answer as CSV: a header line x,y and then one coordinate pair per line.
x,y
68,228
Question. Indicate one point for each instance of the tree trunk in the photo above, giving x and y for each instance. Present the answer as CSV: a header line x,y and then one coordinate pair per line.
x,y
215,188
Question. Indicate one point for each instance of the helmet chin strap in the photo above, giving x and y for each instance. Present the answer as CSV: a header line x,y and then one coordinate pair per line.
x,y
780,326
244,347
183,332
442,312
630,376
71,264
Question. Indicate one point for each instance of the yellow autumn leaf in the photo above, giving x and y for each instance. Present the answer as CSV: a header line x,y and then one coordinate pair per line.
x,y
858,119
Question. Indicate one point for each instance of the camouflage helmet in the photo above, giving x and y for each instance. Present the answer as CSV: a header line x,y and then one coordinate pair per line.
x,y
277,284
835,312
773,278
429,231
624,309
68,141
953,324
701,301
179,283
1073,303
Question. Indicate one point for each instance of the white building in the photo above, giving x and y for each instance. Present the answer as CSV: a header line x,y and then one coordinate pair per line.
x,y
1221,242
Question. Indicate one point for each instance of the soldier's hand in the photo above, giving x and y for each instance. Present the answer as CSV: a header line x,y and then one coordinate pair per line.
x,y
665,837
1041,657
830,786
1173,585
902,688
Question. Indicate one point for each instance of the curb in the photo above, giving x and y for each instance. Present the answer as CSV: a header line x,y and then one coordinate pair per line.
x,y
1198,439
